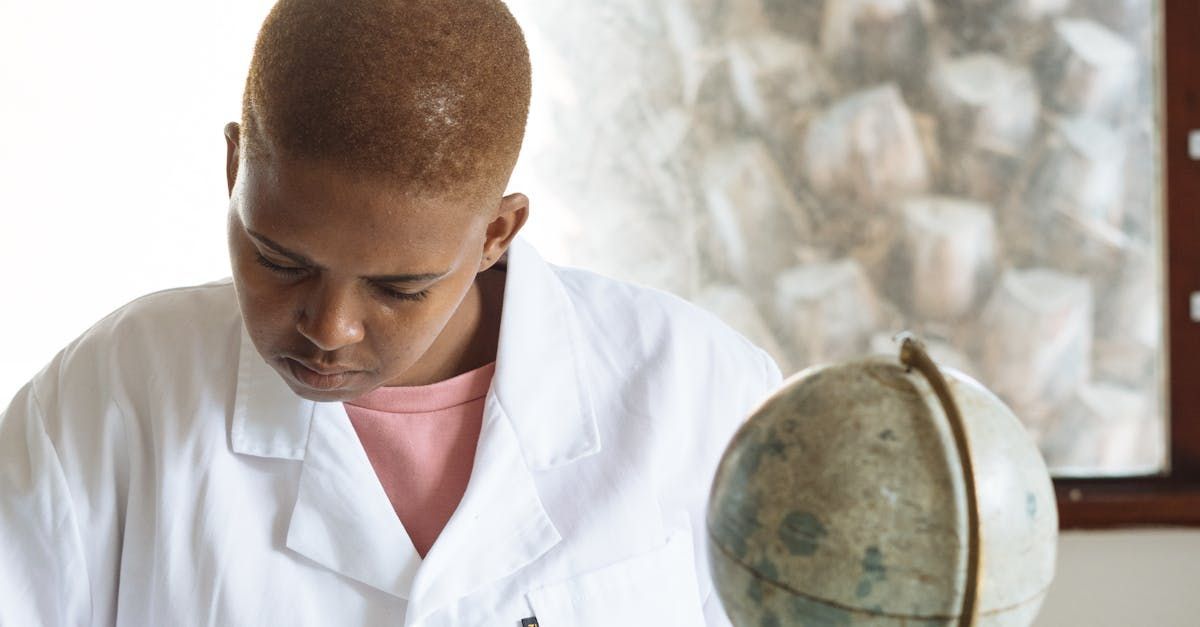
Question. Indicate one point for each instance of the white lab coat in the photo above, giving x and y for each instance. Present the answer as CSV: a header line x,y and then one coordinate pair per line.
x,y
159,472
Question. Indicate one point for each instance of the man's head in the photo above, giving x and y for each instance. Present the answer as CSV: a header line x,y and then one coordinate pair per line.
x,y
366,180
432,94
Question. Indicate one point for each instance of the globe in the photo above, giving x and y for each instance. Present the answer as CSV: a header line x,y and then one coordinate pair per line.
x,y
846,499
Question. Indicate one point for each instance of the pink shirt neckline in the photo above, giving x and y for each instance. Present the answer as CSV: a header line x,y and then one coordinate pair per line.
x,y
412,399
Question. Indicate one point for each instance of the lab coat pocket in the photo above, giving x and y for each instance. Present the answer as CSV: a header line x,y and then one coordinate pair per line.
x,y
654,588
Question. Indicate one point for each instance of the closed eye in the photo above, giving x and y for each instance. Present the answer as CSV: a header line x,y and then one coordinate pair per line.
x,y
398,295
292,271
276,268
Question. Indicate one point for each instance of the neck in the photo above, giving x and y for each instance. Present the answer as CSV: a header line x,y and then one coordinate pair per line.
x,y
484,333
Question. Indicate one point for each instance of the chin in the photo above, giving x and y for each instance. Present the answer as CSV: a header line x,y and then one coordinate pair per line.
x,y
329,396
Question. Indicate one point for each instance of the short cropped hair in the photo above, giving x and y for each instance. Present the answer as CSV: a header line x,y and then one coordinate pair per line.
x,y
431,93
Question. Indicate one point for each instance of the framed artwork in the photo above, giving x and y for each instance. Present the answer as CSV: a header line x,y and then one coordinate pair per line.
x,y
822,175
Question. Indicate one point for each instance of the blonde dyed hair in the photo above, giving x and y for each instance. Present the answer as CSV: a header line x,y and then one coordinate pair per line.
x,y
433,94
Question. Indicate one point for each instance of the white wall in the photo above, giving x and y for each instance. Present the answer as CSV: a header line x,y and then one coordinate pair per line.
x,y
112,176
112,185
1147,578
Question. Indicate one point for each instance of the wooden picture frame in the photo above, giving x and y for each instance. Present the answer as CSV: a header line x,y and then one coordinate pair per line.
x,y
1172,499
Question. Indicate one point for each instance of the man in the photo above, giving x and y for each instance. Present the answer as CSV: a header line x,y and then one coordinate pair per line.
x,y
395,412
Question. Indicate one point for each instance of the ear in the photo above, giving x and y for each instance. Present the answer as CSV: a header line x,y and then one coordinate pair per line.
x,y
232,139
511,216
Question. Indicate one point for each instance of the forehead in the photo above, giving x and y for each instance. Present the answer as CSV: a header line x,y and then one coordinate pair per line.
x,y
360,219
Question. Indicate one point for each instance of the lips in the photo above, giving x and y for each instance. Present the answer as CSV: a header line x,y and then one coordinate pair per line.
x,y
319,378
323,371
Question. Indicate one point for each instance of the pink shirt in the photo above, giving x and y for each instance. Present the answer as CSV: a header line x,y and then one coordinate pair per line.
x,y
421,441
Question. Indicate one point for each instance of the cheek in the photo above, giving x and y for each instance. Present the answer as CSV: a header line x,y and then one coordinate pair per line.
x,y
266,305
261,288
410,331
407,329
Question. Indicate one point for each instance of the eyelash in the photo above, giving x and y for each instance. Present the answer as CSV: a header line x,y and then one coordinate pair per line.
x,y
390,293
274,267
292,272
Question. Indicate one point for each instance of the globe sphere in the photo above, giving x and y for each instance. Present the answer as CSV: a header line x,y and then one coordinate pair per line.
x,y
842,501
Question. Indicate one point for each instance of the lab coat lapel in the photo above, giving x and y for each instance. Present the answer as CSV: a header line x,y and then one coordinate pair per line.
x,y
538,417
342,518
499,526
541,375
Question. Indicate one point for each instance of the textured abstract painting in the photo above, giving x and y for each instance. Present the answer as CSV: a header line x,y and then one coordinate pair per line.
x,y
825,174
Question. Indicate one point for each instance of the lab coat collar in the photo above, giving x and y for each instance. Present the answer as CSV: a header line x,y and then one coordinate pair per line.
x,y
540,379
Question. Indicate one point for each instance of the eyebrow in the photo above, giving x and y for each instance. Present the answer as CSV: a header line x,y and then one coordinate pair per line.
x,y
384,278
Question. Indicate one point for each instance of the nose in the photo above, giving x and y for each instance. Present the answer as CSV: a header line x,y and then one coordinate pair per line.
x,y
329,318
